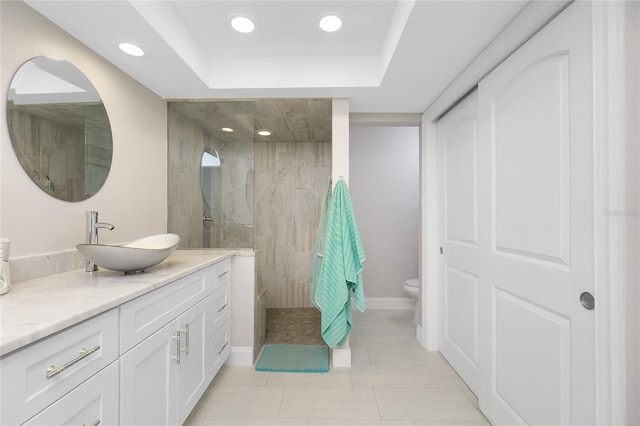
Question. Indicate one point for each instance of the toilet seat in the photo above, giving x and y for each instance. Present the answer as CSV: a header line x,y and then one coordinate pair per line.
x,y
413,282
411,287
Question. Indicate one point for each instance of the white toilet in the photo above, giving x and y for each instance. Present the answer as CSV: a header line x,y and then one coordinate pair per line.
x,y
411,288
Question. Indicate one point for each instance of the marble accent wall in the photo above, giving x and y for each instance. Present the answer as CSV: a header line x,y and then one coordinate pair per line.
x,y
185,204
290,183
232,200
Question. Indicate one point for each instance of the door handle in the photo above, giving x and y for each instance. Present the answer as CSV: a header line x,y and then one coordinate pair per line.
x,y
588,301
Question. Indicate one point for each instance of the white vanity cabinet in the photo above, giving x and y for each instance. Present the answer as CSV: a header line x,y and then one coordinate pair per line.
x,y
115,350
168,358
46,375
94,402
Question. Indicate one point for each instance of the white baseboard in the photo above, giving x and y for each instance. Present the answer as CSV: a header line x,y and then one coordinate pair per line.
x,y
240,355
390,303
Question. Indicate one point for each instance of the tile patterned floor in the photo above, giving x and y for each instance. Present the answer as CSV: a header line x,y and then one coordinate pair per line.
x,y
393,381
293,326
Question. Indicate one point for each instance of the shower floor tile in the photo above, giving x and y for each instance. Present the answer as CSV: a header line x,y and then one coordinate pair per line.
x,y
293,326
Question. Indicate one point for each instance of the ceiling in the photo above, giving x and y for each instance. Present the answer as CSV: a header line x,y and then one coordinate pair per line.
x,y
389,56
288,120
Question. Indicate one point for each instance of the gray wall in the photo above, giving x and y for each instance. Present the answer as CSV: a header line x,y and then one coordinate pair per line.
x,y
384,169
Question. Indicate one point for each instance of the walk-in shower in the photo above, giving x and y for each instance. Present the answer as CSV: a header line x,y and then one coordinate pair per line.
x,y
231,187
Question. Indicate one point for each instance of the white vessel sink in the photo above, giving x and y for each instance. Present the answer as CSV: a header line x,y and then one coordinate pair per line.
x,y
132,256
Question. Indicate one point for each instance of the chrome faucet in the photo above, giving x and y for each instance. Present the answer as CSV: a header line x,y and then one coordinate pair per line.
x,y
92,234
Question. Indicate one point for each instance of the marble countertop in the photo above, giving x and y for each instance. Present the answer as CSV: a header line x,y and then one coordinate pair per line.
x,y
37,308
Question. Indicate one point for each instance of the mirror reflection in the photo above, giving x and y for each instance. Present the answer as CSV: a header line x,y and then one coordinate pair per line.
x,y
210,175
59,128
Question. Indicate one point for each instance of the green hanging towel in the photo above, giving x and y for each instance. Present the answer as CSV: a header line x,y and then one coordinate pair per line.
x,y
341,269
320,238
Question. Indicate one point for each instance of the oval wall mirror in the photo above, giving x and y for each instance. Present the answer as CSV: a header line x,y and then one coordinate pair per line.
x,y
59,128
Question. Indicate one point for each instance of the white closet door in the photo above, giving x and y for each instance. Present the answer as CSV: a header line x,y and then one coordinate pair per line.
x,y
458,235
537,348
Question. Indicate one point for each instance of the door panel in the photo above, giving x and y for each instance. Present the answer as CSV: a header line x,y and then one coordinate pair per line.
x,y
192,379
461,301
537,350
530,144
148,380
540,338
458,172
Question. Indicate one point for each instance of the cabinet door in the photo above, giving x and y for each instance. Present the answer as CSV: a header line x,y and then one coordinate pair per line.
x,y
148,376
93,402
38,375
192,381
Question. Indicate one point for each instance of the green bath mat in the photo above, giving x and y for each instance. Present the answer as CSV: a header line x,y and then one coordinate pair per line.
x,y
294,358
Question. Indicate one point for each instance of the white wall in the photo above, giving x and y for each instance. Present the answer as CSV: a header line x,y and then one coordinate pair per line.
x,y
134,197
384,168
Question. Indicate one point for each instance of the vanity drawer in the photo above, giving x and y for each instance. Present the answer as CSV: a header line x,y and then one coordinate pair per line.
x,y
221,273
93,402
36,376
219,309
145,315
218,349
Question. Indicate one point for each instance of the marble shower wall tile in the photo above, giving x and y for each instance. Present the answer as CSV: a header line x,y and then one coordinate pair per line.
x,y
232,186
186,144
290,186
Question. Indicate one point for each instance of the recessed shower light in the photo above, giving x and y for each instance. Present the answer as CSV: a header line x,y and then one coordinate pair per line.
x,y
330,23
227,129
131,49
242,24
264,133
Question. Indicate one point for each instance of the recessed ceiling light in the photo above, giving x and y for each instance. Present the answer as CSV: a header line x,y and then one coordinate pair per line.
x,y
227,129
264,133
131,49
242,24
330,23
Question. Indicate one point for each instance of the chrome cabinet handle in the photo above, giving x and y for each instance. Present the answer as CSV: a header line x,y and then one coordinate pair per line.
x,y
219,351
185,348
223,273
52,370
96,423
176,357
221,307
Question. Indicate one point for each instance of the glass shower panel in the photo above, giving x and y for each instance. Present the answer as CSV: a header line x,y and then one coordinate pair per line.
x,y
210,172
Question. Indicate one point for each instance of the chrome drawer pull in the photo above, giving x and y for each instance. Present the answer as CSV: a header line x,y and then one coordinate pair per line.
x,y
223,273
84,352
185,331
176,357
96,423
219,351
221,307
